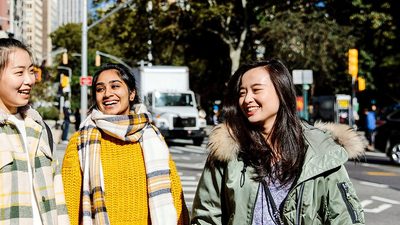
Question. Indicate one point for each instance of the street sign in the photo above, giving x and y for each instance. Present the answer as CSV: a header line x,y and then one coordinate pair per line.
x,y
302,76
86,81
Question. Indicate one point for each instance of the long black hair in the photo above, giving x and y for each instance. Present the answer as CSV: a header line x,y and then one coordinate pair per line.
x,y
286,135
124,73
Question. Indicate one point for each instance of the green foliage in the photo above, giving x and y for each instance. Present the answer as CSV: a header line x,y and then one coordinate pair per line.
x,y
49,113
310,34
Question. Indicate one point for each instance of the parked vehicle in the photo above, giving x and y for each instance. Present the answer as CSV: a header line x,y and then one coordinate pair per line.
x,y
387,136
165,91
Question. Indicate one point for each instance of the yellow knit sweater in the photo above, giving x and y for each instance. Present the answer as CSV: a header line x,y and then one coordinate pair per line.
x,y
124,179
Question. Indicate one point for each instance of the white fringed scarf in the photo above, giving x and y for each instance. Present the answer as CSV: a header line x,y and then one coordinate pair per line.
x,y
132,128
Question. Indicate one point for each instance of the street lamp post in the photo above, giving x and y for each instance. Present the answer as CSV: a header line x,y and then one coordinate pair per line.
x,y
84,67
84,70
114,58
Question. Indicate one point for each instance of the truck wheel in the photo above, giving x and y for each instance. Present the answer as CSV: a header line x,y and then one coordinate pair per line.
x,y
394,153
198,141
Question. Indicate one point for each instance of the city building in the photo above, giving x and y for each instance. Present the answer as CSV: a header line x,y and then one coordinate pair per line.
x,y
31,21
69,11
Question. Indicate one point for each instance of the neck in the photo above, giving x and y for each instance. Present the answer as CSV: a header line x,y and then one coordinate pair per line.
x,y
8,110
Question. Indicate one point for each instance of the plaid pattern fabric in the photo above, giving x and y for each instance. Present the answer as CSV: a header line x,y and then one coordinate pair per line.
x,y
134,127
15,188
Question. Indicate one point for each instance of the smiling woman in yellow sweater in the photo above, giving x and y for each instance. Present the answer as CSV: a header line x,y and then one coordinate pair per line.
x,y
117,168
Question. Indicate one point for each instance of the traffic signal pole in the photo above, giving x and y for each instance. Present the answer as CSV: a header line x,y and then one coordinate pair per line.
x,y
353,71
84,70
84,65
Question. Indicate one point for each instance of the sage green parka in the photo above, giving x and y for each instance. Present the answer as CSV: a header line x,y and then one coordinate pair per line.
x,y
323,193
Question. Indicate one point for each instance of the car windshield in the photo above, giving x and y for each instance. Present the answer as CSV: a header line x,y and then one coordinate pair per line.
x,y
173,99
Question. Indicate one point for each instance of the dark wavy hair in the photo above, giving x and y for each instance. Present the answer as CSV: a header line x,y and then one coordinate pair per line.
x,y
286,136
124,73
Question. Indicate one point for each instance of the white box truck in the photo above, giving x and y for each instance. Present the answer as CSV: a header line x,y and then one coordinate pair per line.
x,y
165,91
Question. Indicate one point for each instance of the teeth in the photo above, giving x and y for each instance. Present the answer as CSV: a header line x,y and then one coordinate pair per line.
x,y
110,103
24,92
252,109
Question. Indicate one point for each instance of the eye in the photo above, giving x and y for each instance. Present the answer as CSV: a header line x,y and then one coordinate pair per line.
x,y
19,72
99,89
257,90
242,93
115,86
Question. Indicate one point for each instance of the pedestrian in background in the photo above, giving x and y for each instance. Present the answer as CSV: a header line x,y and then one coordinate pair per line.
x,y
66,123
117,168
267,167
31,189
370,126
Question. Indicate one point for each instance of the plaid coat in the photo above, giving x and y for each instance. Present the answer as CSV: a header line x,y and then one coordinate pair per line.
x,y
15,187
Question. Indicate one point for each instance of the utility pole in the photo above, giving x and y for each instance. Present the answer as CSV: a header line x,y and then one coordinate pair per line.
x,y
84,66
84,70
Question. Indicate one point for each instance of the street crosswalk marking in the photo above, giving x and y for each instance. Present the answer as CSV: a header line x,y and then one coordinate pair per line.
x,y
189,186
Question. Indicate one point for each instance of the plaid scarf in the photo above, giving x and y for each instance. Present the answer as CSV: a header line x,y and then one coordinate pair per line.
x,y
131,128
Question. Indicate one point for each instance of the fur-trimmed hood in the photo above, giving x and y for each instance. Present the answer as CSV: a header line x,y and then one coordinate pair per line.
x,y
224,148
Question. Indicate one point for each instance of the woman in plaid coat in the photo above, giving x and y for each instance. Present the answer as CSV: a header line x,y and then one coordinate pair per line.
x,y
31,189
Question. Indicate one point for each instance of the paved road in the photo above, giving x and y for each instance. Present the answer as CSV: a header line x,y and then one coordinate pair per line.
x,y
189,160
376,180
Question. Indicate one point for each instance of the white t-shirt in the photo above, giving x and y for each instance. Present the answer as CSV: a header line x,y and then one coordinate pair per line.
x,y
20,123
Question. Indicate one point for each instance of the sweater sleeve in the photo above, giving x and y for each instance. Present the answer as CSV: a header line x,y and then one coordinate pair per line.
x,y
72,178
177,194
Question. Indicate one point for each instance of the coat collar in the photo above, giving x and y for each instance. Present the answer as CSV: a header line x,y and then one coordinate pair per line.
x,y
224,148
25,111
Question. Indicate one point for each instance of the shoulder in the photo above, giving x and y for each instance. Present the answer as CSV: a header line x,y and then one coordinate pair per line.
x,y
222,146
326,135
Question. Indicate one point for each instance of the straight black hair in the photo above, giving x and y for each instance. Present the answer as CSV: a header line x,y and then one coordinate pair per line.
x,y
124,73
286,136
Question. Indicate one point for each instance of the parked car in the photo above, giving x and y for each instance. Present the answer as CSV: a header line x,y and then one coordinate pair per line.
x,y
387,136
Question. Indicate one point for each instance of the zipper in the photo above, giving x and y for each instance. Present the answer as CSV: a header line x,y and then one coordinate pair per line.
x,y
298,207
254,205
243,175
344,190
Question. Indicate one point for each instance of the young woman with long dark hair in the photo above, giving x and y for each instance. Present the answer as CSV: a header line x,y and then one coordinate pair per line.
x,y
266,166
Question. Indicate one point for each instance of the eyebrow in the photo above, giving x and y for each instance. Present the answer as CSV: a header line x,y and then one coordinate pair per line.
x,y
254,85
22,67
112,81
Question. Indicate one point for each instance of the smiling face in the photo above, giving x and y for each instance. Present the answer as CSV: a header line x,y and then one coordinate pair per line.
x,y
16,81
112,94
258,99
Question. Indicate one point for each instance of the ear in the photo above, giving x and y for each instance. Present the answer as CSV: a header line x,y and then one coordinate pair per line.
x,y
132,95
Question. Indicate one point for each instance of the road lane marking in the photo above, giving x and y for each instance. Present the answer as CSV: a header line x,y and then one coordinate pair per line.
x,y
198,166
374,184
378,209
189,183
385,174
187,177
394,202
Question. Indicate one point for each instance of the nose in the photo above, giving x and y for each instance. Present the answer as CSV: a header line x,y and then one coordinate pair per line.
x,y
29,78
248,97
108,92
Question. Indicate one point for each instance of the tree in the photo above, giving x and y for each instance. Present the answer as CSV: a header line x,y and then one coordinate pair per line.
x,y
306,37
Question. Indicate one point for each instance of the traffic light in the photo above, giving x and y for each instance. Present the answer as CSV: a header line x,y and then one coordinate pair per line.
x,y
361,84
65,58
97,60
38,73
353,62
64,81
